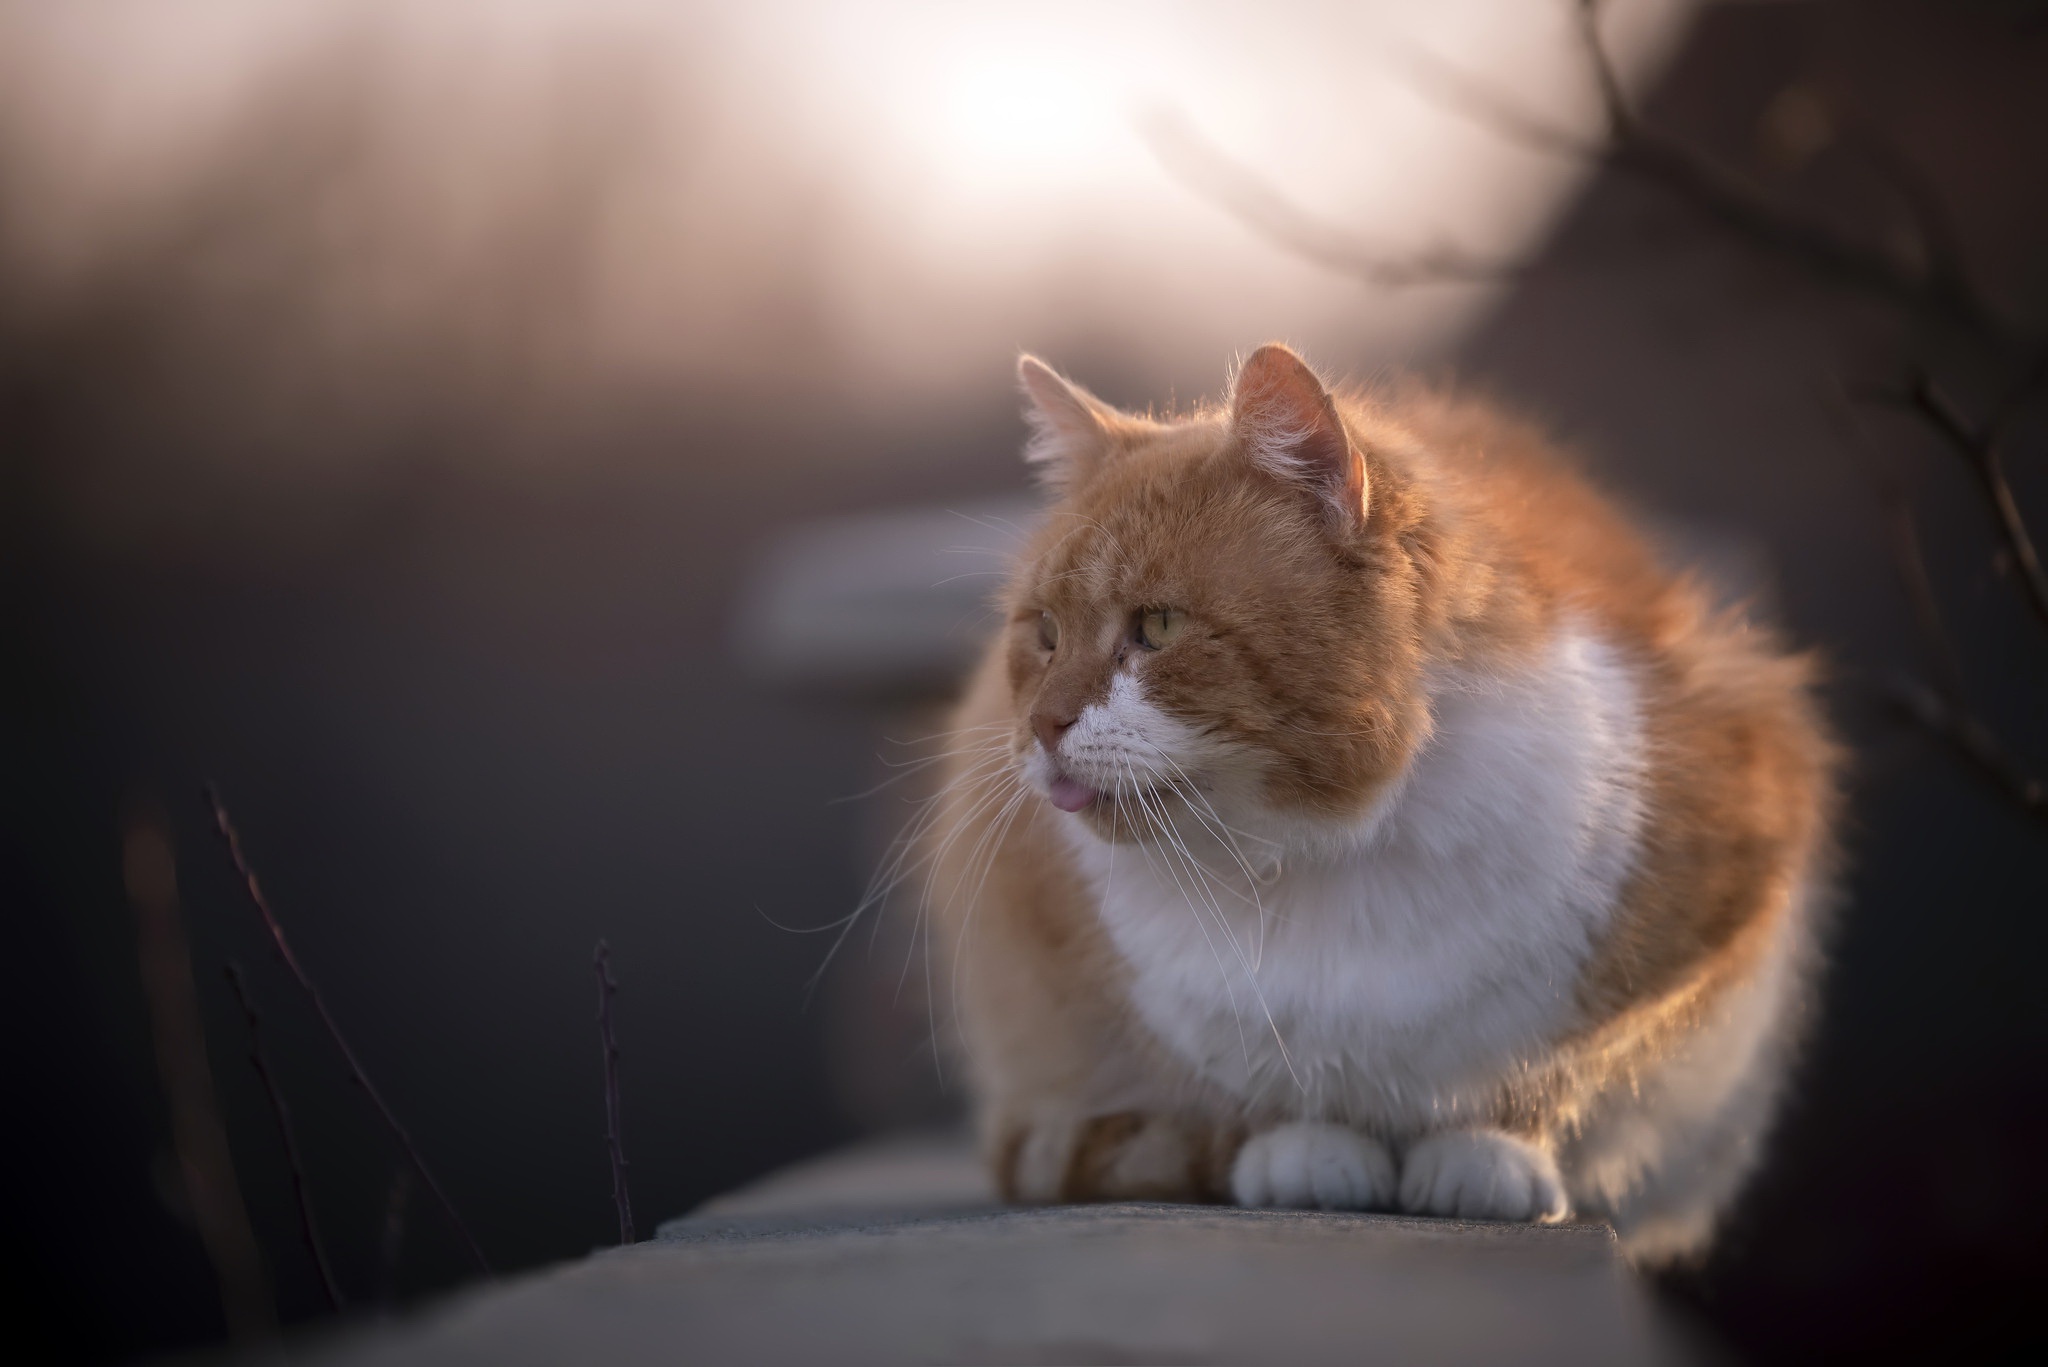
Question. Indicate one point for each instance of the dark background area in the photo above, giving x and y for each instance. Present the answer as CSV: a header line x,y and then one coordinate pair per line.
x,y
462,669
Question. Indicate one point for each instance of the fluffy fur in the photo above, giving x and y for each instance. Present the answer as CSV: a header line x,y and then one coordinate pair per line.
x,y
1451,855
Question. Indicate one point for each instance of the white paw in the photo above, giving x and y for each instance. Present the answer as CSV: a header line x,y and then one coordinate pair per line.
x,y
1312,1166
1481,1175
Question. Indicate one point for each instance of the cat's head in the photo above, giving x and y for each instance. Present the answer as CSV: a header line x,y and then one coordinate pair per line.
x,y
1225,604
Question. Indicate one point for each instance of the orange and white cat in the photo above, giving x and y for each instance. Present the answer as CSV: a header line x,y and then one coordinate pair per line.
x,y
1357,815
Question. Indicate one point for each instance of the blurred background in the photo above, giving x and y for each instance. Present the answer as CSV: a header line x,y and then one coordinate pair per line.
x,y
537,458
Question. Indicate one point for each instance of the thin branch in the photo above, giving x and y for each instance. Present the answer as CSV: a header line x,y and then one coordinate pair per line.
x,y
1717,192
614,1128
282,1115
1621,119
355,1068
1725,196
205,1160
1211,173
1980,447
1969,739
1479,102
1942,712
1908,558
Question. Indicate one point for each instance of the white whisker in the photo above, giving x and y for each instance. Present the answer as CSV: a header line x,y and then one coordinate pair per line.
x,y
1222,971
1216,826
1250,971
902,860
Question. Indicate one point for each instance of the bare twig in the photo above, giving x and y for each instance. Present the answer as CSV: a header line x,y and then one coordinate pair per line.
x,y
614,1129
1980,447
206,1163
1717,192
1972,742
282,1115
1621,120
1902,534
1252,200
1479,102
1725,196
1943,712
1935,286
355,1068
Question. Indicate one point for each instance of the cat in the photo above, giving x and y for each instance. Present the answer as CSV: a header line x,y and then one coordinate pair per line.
x,y
1352,813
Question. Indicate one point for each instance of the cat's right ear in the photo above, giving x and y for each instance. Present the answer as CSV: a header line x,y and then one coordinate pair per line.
x,y
1291,428
1070,428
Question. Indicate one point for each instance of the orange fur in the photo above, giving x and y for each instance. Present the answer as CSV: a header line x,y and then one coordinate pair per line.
x,y
1325,588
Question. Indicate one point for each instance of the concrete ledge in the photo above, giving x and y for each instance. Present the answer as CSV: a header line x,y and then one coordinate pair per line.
x,y
887,1256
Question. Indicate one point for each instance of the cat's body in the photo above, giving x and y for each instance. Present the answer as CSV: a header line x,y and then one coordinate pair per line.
x,y
1355,814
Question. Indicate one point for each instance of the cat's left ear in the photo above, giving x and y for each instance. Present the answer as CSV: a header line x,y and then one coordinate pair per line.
x,y
1289,427
1071,429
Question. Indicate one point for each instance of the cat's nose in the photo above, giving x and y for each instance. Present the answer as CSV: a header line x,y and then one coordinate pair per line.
x,y
1049,729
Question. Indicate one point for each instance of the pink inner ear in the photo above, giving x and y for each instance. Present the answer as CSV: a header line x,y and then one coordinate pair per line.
x,y
1290,426
1067,433
1276,380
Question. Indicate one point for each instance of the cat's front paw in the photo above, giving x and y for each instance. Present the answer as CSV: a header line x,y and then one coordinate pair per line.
x,y
1309,1165
1059,1155
1481,1175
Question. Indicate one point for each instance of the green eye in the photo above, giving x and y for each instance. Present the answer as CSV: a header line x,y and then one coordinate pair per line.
x,y
1158,627
1048,631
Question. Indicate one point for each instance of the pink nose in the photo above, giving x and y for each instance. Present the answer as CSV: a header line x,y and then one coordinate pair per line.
x,y
1049,729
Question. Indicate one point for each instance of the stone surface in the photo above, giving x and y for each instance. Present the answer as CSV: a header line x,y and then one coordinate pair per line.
x,y
894,1254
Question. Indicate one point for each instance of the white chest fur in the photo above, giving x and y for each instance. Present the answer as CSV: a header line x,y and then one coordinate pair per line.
x,y
1391,975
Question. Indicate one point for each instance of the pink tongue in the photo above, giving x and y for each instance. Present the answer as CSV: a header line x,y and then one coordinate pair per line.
x,y
1069,796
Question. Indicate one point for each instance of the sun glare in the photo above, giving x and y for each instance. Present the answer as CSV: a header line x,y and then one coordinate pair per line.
x,y
1005,114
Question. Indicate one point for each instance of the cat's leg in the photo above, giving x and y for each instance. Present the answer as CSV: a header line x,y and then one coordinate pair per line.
x,y
1481,1175
1065,1154
1311,1165
1076,1101
1075,1104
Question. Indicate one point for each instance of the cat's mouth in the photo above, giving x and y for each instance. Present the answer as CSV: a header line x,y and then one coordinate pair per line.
x,y
1071,795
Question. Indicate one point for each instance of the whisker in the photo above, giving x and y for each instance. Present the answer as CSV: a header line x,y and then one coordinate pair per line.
x,y
1229,993
1001,825
931,736
989,523
971,574
909,768
1221,829
977,773
898,862
934,859
1251,976
1084,522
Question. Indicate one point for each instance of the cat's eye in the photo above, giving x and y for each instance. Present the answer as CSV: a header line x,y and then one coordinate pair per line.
x,y
1159,626
1048,631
